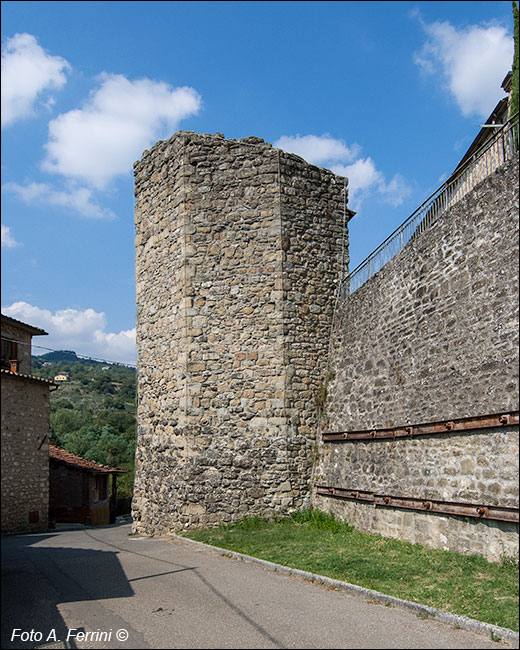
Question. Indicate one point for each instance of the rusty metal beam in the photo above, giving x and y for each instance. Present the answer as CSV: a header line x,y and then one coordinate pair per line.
x,y
427,429
477,511
344,493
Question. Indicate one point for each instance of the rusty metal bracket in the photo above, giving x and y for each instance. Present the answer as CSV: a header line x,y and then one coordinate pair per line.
x,y
359,495
497,513
427,429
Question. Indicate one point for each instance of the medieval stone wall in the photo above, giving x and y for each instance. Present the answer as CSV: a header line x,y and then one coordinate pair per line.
x,y
238,250
25,454
433,336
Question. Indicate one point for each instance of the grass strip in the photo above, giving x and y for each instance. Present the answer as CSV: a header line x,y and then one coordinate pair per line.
x,y
314,541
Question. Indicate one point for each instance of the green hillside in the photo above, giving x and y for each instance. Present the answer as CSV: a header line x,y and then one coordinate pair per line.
x,y
93,413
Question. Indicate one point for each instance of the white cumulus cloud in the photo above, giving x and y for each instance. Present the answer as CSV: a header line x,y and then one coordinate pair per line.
x,y
363,176
28,73
73,329
317,149
472,62
77,199
120,119
8,240
395,191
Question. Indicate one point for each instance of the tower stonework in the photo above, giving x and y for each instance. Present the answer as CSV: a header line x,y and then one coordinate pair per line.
x,y
239,247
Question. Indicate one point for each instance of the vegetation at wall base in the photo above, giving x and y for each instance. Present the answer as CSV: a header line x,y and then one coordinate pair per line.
x,y
314,541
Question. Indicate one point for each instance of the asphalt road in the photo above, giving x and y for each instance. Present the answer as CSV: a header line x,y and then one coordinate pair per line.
x,y
160,593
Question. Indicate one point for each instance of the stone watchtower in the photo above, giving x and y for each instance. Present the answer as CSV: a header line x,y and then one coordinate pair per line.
x,y
239,248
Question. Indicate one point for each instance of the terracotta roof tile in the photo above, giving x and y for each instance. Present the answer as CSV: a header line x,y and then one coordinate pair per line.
x,y
63,456
29,377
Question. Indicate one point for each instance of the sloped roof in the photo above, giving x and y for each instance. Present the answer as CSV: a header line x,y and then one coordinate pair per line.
x,y
35,331
19,375
62,456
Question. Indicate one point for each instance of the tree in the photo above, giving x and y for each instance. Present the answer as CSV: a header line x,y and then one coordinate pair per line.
x,y
111,448
64,421
93,415
83,442
61,403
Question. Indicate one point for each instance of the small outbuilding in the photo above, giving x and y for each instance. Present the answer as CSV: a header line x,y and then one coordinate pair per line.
x,y
80,490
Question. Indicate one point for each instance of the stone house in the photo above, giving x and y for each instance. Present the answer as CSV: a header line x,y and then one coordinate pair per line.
x,y
79,490
24,432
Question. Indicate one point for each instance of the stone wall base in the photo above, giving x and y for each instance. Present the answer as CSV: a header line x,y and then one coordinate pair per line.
x,y
494,540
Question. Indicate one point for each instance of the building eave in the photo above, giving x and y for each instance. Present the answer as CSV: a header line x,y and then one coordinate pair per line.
x,y
18,375
34,331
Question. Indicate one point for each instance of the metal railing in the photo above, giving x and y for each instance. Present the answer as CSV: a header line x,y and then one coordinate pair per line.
x,y
494,152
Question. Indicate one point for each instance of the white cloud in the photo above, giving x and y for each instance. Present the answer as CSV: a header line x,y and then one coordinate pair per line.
x,y
317,149
27,73
395,191
121,118
81,331
472,63
363,176
120,346
78,199
8,240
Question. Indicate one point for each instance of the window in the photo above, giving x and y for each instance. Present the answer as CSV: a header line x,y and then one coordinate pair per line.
x,y
9,355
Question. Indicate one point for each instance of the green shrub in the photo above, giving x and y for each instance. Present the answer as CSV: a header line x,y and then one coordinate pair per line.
x,y
320,520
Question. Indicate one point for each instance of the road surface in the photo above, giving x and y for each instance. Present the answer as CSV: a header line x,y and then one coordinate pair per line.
x,y
103,588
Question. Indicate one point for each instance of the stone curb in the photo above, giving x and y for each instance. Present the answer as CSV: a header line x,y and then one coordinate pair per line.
x,y
469,624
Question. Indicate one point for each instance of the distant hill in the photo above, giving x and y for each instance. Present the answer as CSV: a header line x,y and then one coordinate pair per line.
x,y
83,372
59,355
70,355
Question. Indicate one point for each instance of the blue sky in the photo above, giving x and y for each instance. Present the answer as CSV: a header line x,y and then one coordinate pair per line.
x,y
390,94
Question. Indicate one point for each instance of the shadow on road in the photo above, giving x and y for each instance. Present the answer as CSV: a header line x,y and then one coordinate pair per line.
x,y
37,577
41,573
